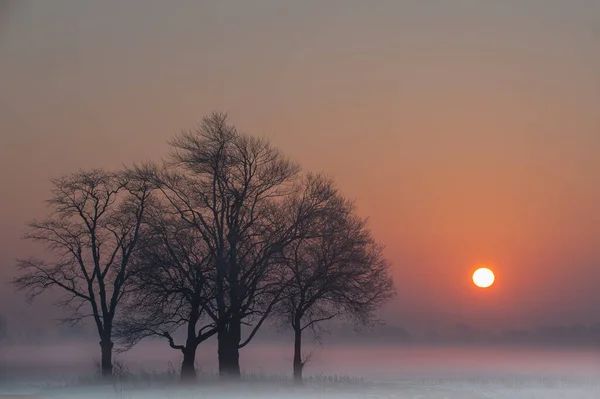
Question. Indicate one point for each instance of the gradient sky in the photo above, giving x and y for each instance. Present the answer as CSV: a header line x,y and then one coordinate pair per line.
x,y
468,131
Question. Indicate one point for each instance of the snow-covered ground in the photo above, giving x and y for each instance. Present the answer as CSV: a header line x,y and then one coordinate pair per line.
x,y
391,390
374,373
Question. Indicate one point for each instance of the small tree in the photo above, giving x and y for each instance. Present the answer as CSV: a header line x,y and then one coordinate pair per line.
x,y
171,288
335,270
92,233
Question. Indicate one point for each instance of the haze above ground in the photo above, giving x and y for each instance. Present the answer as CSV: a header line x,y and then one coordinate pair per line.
x,y
466,131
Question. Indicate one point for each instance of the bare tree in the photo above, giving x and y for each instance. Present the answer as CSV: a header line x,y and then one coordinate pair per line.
x,y
337,270
233,190
172,285
91,234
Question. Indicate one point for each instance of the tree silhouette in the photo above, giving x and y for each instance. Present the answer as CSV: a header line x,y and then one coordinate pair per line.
x,y
92,233
171,285
336,270
233,189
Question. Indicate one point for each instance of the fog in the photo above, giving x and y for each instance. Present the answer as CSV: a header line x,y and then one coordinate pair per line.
x,y
384,362
476,370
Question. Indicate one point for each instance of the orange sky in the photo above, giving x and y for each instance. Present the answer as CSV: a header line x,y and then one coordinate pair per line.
x,y
467,131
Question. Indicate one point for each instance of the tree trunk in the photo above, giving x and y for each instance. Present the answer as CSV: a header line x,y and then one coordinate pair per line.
x,y
235,331
229,348
188,366
106,365
229,355
298,365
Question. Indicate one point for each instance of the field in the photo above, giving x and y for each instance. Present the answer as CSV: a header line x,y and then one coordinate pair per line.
x,y
374,373
416,389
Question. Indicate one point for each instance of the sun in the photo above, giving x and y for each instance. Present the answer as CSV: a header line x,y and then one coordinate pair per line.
x,y
483,277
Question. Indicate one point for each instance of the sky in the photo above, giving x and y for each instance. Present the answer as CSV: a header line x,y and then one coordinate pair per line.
x,y
467,131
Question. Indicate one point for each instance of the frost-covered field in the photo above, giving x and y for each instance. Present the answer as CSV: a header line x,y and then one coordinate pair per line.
x,y
417,389
375,373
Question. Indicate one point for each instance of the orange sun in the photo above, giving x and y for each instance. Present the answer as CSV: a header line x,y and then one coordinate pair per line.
x,y
483,277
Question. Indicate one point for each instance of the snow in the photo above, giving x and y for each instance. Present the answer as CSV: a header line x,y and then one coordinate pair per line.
x,y
490,388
